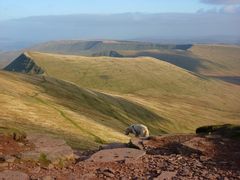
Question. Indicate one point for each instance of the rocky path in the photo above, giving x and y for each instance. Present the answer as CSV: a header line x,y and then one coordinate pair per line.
x,y
162,157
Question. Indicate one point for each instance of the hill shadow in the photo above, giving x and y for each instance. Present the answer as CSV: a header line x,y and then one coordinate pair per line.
x,y
184,61
229,79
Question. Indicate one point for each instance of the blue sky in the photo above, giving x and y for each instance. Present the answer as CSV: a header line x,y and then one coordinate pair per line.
x,y
200,21
24,8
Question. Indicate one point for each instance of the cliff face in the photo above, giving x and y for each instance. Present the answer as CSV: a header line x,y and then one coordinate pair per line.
x,y
24,64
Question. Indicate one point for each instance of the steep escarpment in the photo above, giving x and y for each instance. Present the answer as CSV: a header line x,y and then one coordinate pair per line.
x,y
24,64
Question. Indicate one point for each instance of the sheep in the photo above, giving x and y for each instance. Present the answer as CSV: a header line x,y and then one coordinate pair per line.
x,y
139,130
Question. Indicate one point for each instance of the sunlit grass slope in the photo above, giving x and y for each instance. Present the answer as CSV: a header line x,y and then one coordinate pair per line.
x,y
83,117
185,99
143,76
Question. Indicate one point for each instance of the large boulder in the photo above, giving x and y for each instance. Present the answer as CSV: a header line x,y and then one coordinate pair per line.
x,y
113,146
225,130
119,154
13,175
48,150
136,143
200,144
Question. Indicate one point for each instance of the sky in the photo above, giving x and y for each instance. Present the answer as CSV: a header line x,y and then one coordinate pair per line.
x,y
11,9
27,22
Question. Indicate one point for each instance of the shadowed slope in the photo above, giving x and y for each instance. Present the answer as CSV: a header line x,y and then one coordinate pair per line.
x,y
179,58
212,60
222,60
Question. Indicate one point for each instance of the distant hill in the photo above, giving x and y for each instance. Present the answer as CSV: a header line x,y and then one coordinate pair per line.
x,y
90,47
185,99
211,60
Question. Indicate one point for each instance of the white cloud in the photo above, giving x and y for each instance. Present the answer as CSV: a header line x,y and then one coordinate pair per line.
x,y
222,6
220,2
230,9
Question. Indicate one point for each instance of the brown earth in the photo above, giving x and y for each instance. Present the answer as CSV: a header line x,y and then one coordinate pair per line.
x,y
8,146
177,156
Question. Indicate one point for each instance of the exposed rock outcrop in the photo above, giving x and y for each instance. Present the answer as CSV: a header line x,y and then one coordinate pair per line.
x,y
13,175
119,154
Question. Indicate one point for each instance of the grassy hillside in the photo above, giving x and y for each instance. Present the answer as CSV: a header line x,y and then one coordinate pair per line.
x,y
83,117
221,60
212,60
120,75
186,100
